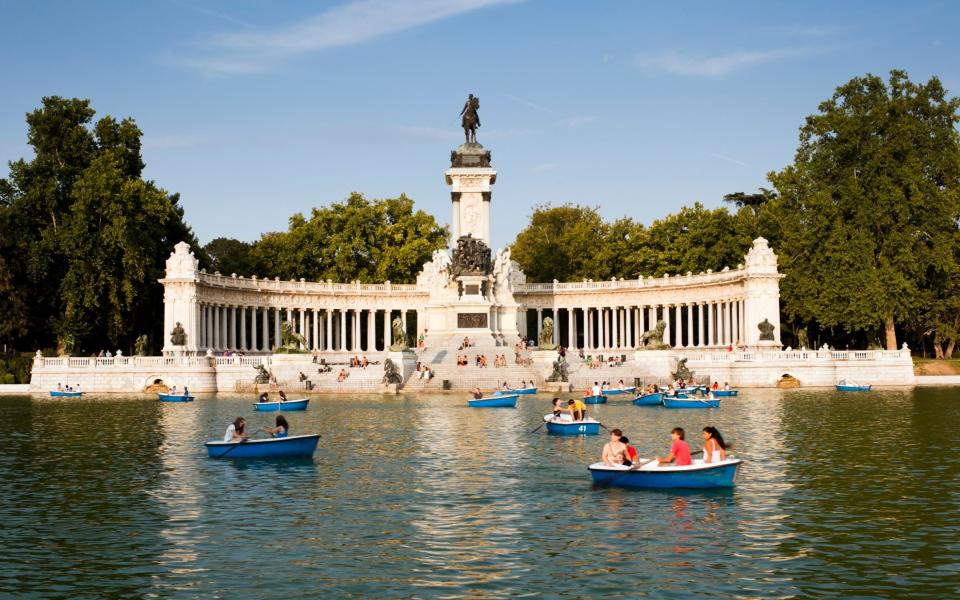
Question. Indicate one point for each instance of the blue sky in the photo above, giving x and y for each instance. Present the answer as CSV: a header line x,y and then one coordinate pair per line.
x,y
254,110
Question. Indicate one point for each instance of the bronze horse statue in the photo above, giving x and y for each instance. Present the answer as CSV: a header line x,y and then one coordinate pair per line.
x,y
471,120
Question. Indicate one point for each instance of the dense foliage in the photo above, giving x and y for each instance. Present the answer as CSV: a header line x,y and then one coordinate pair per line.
x,y
83,237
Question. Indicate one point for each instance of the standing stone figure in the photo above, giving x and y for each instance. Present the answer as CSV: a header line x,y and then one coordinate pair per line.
x,y
178,337
546,335
766,330
471,120
399,337
140,346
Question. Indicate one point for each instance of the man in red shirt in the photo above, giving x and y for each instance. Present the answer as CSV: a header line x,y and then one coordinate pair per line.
x,y
679,450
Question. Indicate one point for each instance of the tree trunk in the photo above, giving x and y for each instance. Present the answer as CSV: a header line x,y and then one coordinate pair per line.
x,y
891,333
948,353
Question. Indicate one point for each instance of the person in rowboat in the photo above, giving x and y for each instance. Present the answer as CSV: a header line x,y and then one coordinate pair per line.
x,y
631,451
281,430
714,448
615,451
263,398
595,390
235,431
578,410
283,397
679,450
477,394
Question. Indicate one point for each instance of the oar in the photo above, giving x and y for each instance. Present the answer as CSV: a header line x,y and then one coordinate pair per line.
x,y
231,449
538,428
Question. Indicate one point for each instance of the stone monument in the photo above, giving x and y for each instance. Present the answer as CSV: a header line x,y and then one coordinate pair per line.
x,y
180,308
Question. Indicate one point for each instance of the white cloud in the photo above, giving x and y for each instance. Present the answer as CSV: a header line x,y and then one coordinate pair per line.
x,y
719,65
351,23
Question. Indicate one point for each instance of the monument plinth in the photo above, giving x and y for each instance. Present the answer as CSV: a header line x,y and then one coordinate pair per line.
x,y
470,178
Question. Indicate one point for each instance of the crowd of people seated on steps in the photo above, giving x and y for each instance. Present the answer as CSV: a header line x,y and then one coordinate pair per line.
x,y
598,361
480,360
424,373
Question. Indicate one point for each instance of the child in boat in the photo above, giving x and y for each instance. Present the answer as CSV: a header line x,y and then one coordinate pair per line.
x,y
615,451
679,450
283,397
714,448
281,430
264,398
578,410
235,431
631,451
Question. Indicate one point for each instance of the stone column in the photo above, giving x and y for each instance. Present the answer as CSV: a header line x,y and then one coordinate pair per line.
x,y
403,318
700,341
387,329
276,327
243,328
539,324
328,332
253,329
601,328
586,329
343,330
215,340
622,321
641,323
666,320
265,329
689,340
371,330
571,328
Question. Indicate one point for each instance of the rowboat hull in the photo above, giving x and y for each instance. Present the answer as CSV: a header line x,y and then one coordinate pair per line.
x,y
725,393
281,406
504,401
650,476
617,391
589,427
175,398
671,402
525,391
288,447
654,399
65,394
601,399
853,388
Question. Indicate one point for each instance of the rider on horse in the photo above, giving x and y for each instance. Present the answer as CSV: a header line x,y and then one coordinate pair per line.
x,y
471,120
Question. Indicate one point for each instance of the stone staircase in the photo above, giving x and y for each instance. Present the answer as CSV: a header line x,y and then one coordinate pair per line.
x,y
443,361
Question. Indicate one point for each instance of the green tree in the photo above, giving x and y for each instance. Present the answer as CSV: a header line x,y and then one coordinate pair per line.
x,y
92,234
559,243
228,255
359,239
869,209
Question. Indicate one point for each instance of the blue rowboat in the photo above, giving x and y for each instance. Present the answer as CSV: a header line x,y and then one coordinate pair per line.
x,y
175,398
294,445
852,387
281,406
653,399
526,390
502,401
601,399
724,393
585,427
650,476
55,394
617,391
673,402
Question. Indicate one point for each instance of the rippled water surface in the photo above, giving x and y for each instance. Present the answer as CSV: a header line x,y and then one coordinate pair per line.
x,y
853,495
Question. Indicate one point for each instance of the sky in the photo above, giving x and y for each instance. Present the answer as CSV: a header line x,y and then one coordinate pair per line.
x,y
254,110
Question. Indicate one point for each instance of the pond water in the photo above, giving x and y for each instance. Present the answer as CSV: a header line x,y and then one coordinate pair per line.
x,y
853,495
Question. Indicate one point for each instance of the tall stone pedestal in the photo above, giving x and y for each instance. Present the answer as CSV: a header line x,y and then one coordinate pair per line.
x,y
656,365
406,362
543,361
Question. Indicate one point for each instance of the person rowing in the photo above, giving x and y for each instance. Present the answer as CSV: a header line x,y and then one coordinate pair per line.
x,y
615,451
281,430
264,397
578,410
679,450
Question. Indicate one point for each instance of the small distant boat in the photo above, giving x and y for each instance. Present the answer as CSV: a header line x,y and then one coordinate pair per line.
x,y
526,390
586,427
724,393
843,386
501,401
652,399
601,399
56,394
175,398
650,476
617,391
294,445
673,402
281,406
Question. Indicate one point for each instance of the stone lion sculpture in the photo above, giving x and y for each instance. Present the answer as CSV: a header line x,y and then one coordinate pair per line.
x,y
391,374
546,335
290,338
653,339
399,337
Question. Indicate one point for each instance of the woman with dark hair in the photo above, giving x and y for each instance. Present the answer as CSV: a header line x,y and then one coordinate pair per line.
x,y
714,448
281,430
235,431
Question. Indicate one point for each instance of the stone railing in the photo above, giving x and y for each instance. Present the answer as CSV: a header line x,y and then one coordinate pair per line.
x,y
802,355
725,276
315,287
76,362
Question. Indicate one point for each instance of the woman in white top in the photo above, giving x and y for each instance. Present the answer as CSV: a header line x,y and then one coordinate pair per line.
x,y
235,431
714,448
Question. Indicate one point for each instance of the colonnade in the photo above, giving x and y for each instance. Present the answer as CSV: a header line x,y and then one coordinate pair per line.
x,y
688,325
225,327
